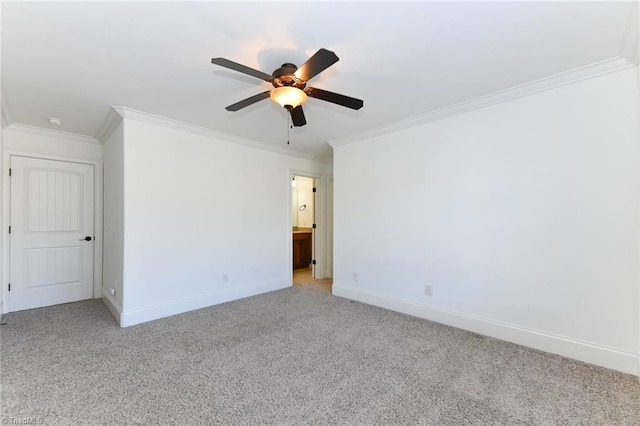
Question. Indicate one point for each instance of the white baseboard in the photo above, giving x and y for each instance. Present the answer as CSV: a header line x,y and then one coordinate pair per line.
x,y
149,313
113,307
582,351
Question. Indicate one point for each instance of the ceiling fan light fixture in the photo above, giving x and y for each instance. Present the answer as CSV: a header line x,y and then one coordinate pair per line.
x,y
288,97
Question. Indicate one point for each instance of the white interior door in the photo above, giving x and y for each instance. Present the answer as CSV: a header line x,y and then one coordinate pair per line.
x,y
52,214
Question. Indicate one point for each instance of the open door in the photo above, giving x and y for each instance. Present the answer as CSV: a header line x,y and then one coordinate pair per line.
x,y
303,214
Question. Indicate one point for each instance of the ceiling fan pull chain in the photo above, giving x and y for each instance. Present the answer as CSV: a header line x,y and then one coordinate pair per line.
x,y
288,126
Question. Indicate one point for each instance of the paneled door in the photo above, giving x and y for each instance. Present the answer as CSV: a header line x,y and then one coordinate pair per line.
x,y
52,239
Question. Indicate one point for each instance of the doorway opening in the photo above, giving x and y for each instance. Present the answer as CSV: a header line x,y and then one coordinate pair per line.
x,y
304,228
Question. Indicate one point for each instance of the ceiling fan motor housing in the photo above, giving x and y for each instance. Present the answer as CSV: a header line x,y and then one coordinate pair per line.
x,y
284,76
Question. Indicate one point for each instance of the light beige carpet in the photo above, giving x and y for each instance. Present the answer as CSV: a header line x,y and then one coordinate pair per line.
x,y
296,356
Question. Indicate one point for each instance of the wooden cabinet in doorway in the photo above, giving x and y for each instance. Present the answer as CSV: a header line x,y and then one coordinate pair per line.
x,y
301,250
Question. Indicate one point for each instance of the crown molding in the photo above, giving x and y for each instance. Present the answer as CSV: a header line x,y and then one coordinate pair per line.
x,y
110,122
599,68
59,134
145,117
631,40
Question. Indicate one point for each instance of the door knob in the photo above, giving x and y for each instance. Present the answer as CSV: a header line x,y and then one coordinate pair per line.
x,y
85,239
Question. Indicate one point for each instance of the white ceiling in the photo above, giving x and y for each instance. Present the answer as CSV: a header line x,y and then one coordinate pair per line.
x,y
74,60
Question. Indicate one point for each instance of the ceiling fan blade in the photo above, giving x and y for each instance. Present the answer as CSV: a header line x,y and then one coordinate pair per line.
x,y
319,62
336,98
246,102
241,68
297,116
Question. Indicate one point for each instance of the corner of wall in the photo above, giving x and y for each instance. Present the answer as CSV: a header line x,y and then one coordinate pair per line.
x,y
113,307
631,40
5,113
111,121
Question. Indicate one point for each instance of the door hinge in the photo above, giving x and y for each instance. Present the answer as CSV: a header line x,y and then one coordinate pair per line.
x,y
314,226
9,229
314,189
9,172
9,286
313,262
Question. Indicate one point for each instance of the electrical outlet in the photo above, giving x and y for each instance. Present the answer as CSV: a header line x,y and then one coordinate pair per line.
x,y
225,278
354,276
428,290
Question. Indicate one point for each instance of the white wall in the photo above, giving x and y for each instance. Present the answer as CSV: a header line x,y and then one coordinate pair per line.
x,y
196,209
523,216
114,219
329,268
47,143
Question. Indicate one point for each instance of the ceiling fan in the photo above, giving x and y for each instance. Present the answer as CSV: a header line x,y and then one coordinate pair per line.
x,y
290,85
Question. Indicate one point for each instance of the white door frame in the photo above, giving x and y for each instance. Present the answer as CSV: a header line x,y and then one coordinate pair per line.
x,y
320,218
6,209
